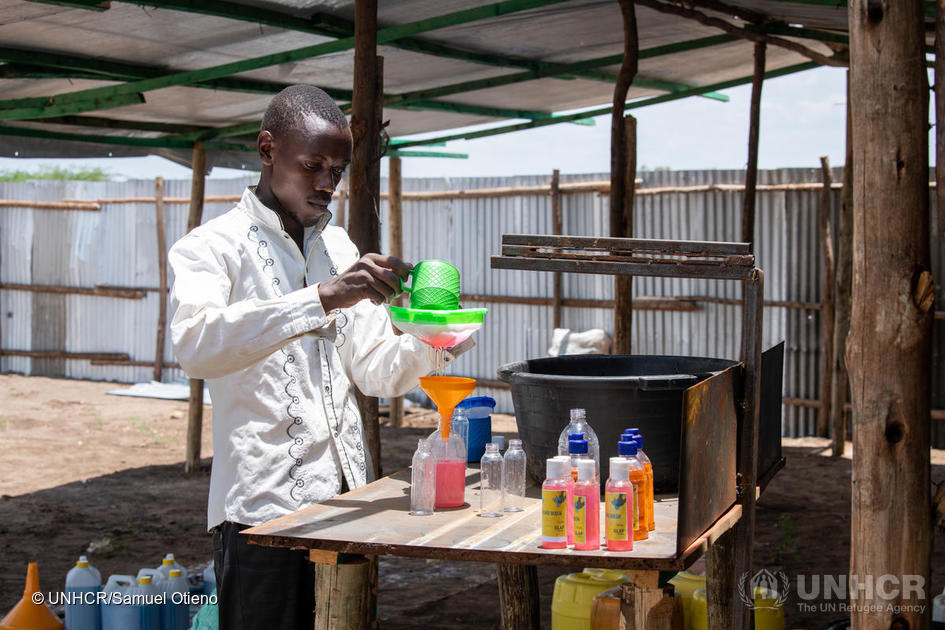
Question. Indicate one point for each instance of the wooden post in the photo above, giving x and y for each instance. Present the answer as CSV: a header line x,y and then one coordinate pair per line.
x,y
720,582
342,200
518,597
825,218
557,225
341,591
889,349
364,229
842,296
623,174
752,327
940,114
395,201
195,402
162,277
751,174
637,598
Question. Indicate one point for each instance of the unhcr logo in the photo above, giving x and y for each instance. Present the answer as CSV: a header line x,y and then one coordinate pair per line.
x,y
764,589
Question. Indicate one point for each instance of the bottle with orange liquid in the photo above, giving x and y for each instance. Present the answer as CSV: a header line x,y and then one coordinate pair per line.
x,y
634,434
620,498
628,451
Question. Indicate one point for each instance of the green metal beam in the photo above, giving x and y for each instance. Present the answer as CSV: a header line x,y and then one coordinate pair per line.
x,y
385,35
75,107
114,123
124,141
549,70
438,154
92,5
606,110
800,32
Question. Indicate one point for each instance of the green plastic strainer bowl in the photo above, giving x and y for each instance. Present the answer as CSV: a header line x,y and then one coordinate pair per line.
x,y
439,329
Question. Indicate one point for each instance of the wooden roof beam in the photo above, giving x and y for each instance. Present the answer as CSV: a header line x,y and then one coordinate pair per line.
x,y
744,33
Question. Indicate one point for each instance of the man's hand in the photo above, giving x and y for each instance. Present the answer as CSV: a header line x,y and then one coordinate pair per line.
x,y
374,277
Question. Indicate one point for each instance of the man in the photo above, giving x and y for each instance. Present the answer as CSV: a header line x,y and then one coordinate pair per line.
x,y
278,312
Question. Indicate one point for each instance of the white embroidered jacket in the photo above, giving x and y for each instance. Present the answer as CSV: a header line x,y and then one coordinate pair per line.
x,y
248,319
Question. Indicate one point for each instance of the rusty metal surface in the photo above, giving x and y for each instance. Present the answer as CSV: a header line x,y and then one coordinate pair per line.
x,y
707,454
769,417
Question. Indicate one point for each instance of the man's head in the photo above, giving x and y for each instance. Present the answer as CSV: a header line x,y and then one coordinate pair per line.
x,y
304,145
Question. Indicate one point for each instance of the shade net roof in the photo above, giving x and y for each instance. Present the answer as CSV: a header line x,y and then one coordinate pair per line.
x,y
91,78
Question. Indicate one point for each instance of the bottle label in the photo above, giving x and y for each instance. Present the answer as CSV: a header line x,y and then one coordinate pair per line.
x,y
553,521
580,520
616,516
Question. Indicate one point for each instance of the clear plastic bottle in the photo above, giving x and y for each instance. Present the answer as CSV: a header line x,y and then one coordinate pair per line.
x,y
450,469
555,499
422,480
620,497
580,425
514,472
491,493
628,451
459,425
586,507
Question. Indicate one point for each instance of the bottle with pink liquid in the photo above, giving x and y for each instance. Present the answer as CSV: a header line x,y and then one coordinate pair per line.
x,y
569,523
619,513
555,499
586,501
450,456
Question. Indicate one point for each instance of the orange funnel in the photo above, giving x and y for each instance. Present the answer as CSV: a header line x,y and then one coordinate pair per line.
x,y
446,392
28,615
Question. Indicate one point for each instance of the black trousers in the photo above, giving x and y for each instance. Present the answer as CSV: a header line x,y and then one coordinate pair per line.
x,y
261,588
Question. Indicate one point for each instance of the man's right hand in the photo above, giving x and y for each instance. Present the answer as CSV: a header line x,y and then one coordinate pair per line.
x,y
373,277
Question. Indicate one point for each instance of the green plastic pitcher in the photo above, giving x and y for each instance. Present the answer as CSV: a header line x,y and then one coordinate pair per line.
x,y
435,286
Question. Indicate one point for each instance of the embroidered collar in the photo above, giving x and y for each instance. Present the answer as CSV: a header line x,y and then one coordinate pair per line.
x,y
270,218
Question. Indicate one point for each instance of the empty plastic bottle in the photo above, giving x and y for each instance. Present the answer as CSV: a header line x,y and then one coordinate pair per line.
x,y
459,424
422,480
514,475
83,582
579,424
491,492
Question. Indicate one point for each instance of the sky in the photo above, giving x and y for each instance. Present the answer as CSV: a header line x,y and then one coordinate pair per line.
x,y
802,118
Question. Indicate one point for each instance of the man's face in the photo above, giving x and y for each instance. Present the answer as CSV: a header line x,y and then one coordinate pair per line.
x,y
307,164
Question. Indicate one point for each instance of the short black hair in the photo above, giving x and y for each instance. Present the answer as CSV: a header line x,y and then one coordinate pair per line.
x,y
291,105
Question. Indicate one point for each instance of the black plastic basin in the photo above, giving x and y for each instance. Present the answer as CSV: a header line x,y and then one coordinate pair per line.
x,y
618,392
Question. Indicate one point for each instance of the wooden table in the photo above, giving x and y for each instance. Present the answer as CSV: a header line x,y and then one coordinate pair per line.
x,y
374,520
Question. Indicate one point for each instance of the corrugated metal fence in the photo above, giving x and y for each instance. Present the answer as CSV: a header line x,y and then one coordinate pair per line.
x,y
116,246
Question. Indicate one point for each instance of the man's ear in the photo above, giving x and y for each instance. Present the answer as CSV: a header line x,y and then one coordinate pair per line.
x,y
264,143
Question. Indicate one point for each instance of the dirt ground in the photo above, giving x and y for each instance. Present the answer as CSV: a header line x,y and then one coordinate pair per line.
x,y
84,472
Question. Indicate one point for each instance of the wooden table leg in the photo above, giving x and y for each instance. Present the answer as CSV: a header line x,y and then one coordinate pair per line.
x,y
720,582
342,592
518,597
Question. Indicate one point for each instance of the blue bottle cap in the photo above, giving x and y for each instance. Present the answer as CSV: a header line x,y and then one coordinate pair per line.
x,y
639,440
632,431
577,447
575,436
626,448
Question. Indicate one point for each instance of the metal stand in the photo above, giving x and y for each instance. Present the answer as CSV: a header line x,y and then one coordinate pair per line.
x,y
730,563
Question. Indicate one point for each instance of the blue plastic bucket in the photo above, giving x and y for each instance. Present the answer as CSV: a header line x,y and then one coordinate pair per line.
x,y
479,412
